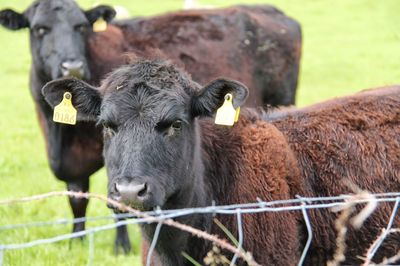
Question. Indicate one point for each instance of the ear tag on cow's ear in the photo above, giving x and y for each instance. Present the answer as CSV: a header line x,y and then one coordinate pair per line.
x,y
226,114
99,25
65,112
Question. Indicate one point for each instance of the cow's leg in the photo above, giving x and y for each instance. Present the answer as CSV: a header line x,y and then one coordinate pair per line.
x,y
78,205
122,242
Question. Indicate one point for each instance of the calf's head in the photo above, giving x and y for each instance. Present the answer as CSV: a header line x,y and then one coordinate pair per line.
x,y
149,112
58,32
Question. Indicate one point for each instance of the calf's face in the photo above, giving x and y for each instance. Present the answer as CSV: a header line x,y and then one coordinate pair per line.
x,y
151,141
58,33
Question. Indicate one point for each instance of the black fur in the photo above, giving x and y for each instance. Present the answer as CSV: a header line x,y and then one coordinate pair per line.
x,y
58,33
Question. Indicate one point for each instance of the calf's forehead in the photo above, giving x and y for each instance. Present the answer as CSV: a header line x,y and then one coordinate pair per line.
x,y
142,102
53,11
147,87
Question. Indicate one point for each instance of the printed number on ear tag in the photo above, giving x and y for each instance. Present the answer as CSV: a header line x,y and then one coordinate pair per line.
x,y
65,112
226,114
99,25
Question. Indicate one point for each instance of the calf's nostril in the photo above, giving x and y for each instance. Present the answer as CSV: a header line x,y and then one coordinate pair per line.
x,y
143,191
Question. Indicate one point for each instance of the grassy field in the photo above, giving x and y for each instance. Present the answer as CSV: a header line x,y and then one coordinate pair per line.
x,y
349,45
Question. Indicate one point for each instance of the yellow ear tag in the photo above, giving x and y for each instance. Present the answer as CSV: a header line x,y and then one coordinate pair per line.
x,y
226,114
65,112
99,25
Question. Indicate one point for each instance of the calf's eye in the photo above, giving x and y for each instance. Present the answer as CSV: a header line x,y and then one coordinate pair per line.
x,y
168,128
177,125
41,31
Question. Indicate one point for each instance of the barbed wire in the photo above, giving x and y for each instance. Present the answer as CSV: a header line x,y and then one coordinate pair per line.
x,y
302,204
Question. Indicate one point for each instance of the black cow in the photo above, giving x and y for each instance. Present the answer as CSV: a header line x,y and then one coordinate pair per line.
x,y
257,45
162,149
149,113
58,32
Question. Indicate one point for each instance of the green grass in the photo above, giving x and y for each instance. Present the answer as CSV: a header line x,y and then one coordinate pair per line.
x,y
348,46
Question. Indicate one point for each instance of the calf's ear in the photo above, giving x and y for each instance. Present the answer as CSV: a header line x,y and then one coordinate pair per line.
x,y
106,12
13,20
212,96
85,98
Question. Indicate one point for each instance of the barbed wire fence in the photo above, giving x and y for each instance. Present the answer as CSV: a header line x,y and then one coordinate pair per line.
x,y
343,203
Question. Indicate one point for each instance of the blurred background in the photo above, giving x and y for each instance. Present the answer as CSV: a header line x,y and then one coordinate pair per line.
x,y
348,45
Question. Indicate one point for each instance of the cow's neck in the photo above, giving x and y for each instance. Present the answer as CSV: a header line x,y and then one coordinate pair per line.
x,y
212,178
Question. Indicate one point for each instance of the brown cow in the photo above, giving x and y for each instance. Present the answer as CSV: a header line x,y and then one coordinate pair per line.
x,y
258,45
162,149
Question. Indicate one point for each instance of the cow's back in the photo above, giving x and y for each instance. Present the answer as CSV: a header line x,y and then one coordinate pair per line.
x,y
355,138
257,45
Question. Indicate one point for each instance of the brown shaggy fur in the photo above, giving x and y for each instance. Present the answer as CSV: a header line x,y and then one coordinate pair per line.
x,y
309,153
257,45
354,138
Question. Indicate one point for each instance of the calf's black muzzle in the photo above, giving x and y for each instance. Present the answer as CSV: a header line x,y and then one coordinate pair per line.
x,y
131,192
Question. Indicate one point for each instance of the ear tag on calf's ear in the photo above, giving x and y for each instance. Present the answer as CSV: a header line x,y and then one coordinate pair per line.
x,y
65,112
99,25
226,114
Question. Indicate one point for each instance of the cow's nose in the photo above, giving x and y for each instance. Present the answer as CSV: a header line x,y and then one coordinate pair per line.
x,y
132,193
72,68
